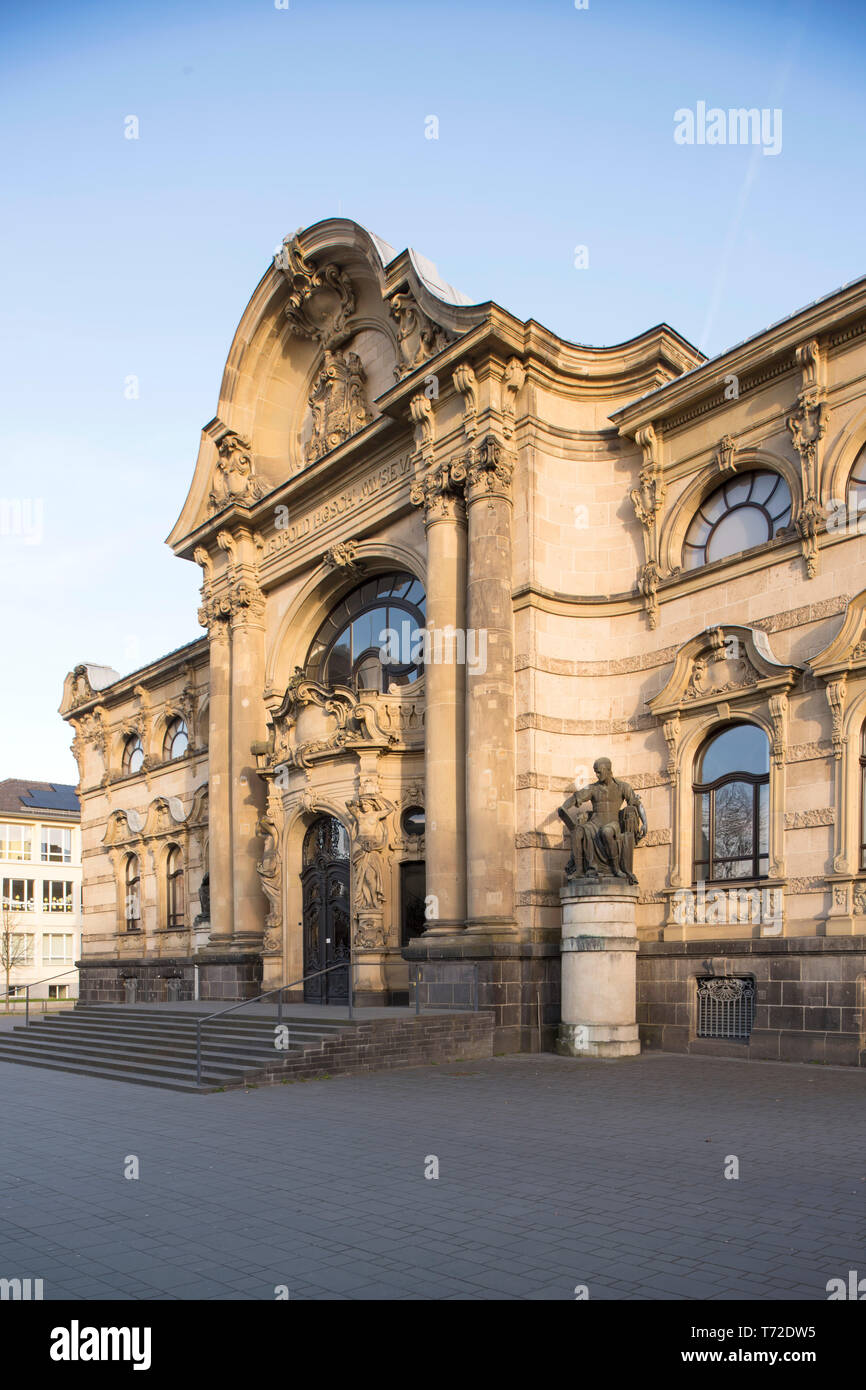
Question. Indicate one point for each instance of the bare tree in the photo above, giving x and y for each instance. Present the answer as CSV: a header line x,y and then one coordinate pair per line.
x,y
14,947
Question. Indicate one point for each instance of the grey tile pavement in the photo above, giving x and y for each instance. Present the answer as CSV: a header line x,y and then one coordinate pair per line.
x,y
552,1173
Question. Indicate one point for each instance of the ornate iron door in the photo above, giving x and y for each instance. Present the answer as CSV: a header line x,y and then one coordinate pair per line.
x,y
325,885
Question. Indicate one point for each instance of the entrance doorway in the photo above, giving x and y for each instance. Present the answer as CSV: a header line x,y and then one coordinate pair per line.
x,y
326,914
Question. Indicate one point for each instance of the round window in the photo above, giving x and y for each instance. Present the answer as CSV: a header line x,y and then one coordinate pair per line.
x,y
413,820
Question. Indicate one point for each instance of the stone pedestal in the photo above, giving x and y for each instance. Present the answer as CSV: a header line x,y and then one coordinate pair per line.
x,y
599,967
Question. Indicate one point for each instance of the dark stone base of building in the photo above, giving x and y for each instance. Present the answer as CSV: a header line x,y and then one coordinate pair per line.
x,y
809,997
518,981
170,979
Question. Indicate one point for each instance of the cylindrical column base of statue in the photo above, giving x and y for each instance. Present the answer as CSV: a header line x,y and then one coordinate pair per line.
x,y
599,969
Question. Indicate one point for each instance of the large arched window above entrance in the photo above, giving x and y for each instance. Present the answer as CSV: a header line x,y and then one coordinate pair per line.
x,y
747,510
326,839
372,639
732,790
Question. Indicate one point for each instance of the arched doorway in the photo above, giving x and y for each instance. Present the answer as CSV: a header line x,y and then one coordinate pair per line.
x,y
326,913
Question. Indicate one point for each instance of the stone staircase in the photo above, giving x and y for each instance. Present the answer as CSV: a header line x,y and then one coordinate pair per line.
x,y
156,1047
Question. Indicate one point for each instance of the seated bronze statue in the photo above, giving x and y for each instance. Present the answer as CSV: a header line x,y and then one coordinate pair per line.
x,y
605,821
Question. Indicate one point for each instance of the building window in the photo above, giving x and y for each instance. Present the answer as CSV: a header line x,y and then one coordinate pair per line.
x,y
58,991
20,949
747,510
56,896
56,948
726,1007
174,888
176,740
412,900
18,894
133,755
132,901
732,791
56,845
373,638
15,842
857,487
413,821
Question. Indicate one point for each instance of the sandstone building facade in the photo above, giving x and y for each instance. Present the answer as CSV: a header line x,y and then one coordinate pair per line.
x,y
448,559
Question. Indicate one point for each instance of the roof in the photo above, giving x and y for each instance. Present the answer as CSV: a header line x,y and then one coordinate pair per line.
x,y
21,796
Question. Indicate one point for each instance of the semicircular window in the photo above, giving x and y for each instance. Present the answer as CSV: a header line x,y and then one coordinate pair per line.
x,y
373,638
857,486
745,511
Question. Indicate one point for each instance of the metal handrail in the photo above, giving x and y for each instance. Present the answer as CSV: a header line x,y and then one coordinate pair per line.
x,y
242,1003
32,985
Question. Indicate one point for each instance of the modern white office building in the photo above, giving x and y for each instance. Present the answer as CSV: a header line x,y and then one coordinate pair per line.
x,y
40,907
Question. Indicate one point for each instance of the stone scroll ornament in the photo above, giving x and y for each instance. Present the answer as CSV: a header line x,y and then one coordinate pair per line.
x,y
605,821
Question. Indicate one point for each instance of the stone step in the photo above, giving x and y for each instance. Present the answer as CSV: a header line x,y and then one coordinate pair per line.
x,y
123,1048
210,1033
156,1016
97,1064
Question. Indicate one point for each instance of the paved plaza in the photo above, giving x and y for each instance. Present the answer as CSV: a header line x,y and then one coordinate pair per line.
x,y
553,1173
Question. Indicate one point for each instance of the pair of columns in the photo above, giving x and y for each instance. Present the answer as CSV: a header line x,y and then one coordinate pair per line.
x,y
469,730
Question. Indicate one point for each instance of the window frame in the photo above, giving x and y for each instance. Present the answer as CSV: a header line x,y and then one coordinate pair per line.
x,y
175,897
315,668
132,744
25,833
701,789
176,726
720,489
132,885
45,841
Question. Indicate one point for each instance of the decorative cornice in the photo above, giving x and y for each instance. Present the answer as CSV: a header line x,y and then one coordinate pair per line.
x,y
321,299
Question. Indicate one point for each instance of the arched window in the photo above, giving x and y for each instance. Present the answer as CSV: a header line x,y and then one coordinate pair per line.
x,y
176,740
747,510
133,754
857,487
132,888
732,791
372,639
174,907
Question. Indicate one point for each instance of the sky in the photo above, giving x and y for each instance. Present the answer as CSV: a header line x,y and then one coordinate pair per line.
x,y
135,258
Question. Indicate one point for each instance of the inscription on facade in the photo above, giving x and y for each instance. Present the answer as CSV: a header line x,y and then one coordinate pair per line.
x,y
346,501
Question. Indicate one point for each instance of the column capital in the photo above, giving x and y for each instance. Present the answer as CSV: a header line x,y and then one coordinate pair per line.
x,y
489,471
439,490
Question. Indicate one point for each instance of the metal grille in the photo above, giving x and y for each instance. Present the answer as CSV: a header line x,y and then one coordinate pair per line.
x,y
726,1006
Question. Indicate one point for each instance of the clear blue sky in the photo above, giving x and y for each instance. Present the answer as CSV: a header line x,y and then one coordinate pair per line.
x,y
124,257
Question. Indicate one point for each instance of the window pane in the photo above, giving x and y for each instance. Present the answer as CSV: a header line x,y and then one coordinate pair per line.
x,y
734,823
740,748
738,530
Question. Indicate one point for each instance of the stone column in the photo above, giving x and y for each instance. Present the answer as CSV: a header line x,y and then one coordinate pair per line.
x,y
247,727
489,681
219,779
440,492
599,969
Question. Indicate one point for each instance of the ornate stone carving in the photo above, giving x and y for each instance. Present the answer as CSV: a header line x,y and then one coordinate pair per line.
x,y
423,419
369,812
321,299
802,820
726,454
647,500
603,836
342,556
242,603
512,384
719,666
672,739
808,425
779,717
269,868
488,471
418,337
440,491
315,721
234,479
836,695
466,383
337,402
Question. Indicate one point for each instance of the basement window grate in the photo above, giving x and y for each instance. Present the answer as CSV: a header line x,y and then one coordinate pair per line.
x,y
726,1006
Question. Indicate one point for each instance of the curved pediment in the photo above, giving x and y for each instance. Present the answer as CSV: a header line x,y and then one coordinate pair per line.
x,y
337,318
847,651
722,663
